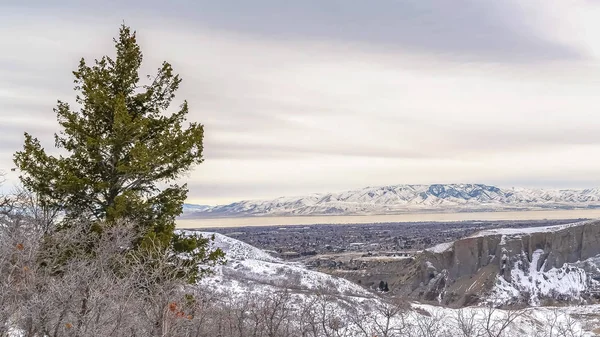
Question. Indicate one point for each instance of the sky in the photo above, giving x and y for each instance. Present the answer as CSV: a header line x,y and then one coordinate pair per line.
x,y
311,96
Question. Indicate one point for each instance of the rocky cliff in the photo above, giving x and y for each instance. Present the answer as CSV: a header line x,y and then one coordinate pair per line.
x,y
509,265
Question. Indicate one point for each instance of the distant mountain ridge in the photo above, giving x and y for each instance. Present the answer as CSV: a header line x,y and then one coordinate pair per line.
x,y
192,208
396,199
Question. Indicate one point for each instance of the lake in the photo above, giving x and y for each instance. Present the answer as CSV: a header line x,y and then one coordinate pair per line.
x,y
407,217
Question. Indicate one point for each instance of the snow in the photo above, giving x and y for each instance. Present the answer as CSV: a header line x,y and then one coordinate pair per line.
x,y
192,208
442,247
429,265
238,250
251,271
527,279
567,282
524,231
402,198
529,322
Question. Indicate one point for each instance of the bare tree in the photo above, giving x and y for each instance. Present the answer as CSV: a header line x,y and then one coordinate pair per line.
x,y
385,319
429,324
467,323
323,315
557,324
60,284
19,247
569,327
68,282
276,309
496,322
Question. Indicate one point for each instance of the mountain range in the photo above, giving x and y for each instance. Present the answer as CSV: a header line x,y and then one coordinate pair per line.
x,y
396,199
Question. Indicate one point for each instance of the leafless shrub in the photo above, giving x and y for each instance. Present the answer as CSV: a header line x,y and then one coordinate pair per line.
x,y
324,315
557,324
386,319
467,323
57,283
70,283
431,325
497,323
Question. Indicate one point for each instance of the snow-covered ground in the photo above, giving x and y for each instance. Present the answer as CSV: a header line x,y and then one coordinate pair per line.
x,y
515,232
252,271
442,247
567,283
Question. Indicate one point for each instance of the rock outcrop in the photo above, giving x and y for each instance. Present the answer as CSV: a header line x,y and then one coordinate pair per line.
x,y
467,270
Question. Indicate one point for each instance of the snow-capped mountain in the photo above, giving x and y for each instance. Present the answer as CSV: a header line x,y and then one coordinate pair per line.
x,y
192,208
403,198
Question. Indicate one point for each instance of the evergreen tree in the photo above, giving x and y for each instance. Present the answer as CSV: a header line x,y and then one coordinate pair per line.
x,y
121,145
385,287
381,285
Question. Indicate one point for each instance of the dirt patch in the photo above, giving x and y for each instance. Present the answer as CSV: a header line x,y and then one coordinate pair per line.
x,y
468,290
423,312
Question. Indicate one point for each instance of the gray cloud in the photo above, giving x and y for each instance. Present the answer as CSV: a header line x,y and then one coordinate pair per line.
x,y
443,143
497,31
281,151
242,191
482,29
305,97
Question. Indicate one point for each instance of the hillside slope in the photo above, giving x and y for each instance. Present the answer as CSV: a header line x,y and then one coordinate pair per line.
x,y
353,311
249,269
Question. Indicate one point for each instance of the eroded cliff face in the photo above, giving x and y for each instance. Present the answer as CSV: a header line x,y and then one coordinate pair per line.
x,y
462,272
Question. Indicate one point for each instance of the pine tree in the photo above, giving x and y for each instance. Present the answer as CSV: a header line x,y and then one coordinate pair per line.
x,y
381,285
385,287
121,145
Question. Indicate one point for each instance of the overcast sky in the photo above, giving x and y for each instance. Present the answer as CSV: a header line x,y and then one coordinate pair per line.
x,y
322,95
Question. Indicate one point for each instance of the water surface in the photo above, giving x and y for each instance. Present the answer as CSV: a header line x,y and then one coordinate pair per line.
x,y
408,217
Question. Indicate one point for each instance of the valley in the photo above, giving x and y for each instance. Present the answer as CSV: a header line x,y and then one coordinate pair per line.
x,y
382,253
299,169
295,241
500,279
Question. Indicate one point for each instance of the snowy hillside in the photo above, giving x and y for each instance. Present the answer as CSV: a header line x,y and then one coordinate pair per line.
x,y
403,198
252,273
238,250
251,269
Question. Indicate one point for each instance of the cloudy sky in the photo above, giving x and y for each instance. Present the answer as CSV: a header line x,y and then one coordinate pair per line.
x,y
328,95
